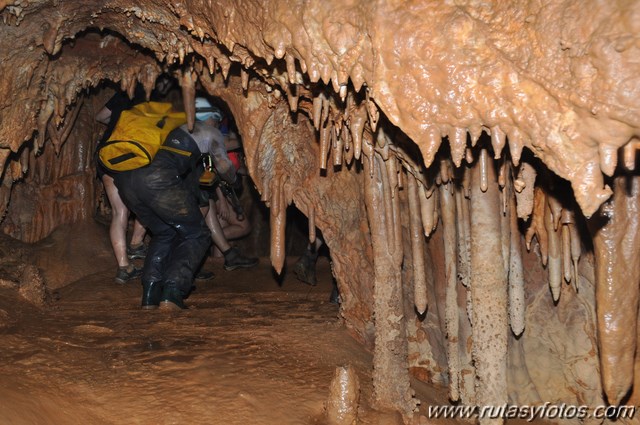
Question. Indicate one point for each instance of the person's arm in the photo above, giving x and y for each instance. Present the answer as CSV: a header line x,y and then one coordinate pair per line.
x,y
221,160
222,205
104,115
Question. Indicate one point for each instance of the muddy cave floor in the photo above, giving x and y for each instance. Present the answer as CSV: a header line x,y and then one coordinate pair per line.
x,y
250,349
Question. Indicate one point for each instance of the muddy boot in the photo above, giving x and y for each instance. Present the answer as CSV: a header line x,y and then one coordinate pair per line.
x,y
171,298
234,260
125,274
151,293
137,252
204,275
305,268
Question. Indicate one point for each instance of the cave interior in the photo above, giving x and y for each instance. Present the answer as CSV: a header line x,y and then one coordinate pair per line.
x,y
471,165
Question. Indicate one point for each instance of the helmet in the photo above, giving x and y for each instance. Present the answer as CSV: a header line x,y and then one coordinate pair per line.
x,y
205,110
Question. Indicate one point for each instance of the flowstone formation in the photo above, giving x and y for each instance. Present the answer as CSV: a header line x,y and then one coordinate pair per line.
x,y
470,164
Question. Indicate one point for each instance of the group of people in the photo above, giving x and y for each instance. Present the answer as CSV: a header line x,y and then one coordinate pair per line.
x,y
166,196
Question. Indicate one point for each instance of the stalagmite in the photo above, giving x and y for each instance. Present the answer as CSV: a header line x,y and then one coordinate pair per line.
x,y
344,397
448,213
554,264
417,246
488,295
616,244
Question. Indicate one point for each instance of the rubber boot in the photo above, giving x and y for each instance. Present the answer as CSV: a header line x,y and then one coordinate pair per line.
x,y
151,293
171,298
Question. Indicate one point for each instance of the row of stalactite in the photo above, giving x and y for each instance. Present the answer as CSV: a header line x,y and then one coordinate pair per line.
x,y
489,205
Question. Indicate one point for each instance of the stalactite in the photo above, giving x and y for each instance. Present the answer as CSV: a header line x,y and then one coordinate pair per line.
x,y
390,372
357,122
292,96
372,112
458,143
448,213
338,150
278,222
537,225
616,246
312,224
498,141
317,111
244,79
426,210
325,137
483,162
188,85
517,300
489,295
388,209
515,146
524,186
463,229
430,148
608,158
417,246
554,264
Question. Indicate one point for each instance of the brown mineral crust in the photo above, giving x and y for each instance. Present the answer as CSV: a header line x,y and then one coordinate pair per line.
x,y
560,78
488,294
617,259
336,199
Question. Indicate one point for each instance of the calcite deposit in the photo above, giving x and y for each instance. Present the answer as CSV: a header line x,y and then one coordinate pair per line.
x,y
456,156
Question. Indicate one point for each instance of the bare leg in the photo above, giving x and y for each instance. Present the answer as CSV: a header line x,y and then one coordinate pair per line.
x,y
119,222
211,218
234,228
137,237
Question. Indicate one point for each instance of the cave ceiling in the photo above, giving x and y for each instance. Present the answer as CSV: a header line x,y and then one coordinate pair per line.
x,y
559,79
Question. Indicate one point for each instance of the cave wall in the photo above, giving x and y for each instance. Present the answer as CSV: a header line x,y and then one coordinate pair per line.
x,y
399,129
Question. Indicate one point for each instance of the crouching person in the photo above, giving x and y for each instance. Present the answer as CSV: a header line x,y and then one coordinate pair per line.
x,y
165,197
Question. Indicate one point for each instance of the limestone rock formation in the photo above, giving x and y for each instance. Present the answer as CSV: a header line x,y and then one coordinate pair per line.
x,y
454,154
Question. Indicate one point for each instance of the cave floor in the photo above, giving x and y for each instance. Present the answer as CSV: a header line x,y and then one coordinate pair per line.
x,y
249,349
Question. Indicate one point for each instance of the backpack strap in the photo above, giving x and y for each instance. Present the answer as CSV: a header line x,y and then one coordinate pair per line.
x,y
176,150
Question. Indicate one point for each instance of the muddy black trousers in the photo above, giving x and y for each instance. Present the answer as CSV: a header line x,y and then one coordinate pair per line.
x,y
167,205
